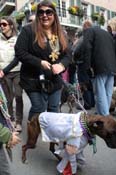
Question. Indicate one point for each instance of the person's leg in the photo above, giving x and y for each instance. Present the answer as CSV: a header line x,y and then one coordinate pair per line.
x,y
87,89
4,166
87,99
109,88
102,106
7,86
53,106
38,101
80,158
18,97
54,101
38,104
72,73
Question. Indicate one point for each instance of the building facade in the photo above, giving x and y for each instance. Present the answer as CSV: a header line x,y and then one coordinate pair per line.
x,y
106,8
107,4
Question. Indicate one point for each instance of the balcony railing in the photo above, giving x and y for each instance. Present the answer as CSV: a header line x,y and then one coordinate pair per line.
x,y
5,1
69,19
7,6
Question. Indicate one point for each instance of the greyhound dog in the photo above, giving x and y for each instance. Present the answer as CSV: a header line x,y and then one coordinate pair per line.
x,y
104,127
71,94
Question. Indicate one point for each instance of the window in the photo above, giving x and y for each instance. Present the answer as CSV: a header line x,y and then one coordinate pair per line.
x,y
59,9
72,2
113,14
37,0
84,7
63,9
92,8
108,14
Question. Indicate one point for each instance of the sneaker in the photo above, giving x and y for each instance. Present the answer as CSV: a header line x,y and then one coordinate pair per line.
x,y
18,128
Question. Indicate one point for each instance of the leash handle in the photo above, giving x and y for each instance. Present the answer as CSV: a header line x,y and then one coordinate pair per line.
x,y
94,145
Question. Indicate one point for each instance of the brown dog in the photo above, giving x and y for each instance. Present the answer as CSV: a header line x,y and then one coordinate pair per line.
x,y
33,131
104,127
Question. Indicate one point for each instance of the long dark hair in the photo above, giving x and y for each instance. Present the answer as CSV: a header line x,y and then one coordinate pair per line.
x,y
12,24
56,27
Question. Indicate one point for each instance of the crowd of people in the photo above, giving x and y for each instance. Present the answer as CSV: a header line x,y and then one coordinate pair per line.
x,y
35,59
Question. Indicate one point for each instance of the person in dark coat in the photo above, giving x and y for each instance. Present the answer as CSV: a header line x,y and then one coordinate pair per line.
x,y
43,50
100,62
113,34
84,79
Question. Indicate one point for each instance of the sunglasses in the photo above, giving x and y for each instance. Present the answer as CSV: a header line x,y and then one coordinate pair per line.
x,y
48,12
3,24
30,20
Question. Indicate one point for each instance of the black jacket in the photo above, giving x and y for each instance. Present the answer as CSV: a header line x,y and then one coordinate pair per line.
x,y
30,54
78,55
99,51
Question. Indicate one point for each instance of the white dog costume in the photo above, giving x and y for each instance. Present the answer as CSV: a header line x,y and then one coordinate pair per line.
x,y
60,128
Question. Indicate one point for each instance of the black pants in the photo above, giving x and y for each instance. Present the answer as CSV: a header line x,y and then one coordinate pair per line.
x,y
88,94
12,89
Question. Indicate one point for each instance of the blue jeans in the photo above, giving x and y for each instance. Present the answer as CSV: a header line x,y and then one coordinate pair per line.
x,y
103,89
42,101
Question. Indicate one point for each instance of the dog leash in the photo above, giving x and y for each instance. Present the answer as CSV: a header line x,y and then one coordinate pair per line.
x,y
82,107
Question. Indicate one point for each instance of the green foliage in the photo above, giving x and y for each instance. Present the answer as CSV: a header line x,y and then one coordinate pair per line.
x,y
98,17
20,16
95,16
76,10
101,19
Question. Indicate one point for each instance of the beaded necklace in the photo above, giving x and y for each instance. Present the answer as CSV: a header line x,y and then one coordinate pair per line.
x,y
86,131
54,44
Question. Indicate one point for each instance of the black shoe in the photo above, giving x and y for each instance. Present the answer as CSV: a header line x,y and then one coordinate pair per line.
x,y
87,107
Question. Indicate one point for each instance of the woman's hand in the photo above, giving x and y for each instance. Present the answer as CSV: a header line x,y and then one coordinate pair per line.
x,y
1,73
71,149
14,140
57,68
46,64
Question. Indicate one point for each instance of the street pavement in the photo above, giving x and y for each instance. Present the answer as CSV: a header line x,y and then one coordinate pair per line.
x,y
42,162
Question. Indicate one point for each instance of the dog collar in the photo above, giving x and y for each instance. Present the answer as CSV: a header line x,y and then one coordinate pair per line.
x,y
86,131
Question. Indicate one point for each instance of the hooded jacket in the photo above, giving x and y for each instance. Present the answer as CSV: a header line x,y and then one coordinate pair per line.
x,y
7,53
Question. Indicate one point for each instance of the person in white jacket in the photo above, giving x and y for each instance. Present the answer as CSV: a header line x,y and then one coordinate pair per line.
x,y
10,78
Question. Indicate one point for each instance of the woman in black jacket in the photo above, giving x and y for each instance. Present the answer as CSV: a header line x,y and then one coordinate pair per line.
x,y
42,49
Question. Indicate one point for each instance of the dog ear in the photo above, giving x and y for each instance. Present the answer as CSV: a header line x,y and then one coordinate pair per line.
x,y
98,124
